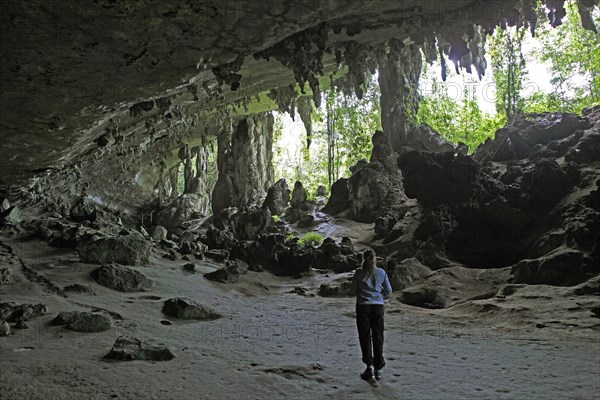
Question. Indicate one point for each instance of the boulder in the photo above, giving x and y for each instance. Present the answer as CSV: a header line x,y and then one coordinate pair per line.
x,y
129,249
291,261
218,239
218,255
159,233
321,191
563,267
183,308
11,216
591,287
121,278
184,208
223,195
230,273
190,267
4,205
84,321
127,348
406,273
422,296
79,288
251,222
12,312
342,290
4,328
278,198
340,197
299,197
586,151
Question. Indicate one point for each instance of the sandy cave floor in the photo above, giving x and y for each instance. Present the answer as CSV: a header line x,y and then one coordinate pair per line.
x,y
275,344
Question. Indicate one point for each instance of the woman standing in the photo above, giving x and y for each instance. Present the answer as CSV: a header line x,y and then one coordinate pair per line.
x,y
371,285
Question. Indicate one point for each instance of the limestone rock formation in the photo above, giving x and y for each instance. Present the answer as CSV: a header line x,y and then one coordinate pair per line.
x,y
188,309
84,321
128,249
121,278
278,197
127,348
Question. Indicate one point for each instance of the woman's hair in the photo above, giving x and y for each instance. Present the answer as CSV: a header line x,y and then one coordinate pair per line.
x,y
368,258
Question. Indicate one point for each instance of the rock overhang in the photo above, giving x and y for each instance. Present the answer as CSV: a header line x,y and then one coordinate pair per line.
x,y
144,76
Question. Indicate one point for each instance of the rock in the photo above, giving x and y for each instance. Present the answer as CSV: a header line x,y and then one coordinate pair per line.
x,y
223,195
218,239
346,246
440,178
190,267
564,267
184,208
406,273
230,273
12,312
291,261
368,189
306,221
159,233
589,288
359,165
255,268
130,249
182,308
11,216
517,141
79,288
219,255
321,191
251,222
326,290
6,276
586,151
84,321
4,328
299,197
84,210
127,348
329,256
278,197
4,205
422,296
340,198
121,278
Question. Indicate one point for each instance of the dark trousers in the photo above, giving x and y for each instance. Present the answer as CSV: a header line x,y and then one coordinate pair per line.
x,y
369,321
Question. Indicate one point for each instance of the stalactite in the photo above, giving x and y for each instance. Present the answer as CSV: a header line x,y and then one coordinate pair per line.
x,y
305,111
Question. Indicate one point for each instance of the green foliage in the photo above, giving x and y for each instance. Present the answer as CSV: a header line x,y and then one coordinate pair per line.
x,y
276,218
505,48
311,239
573,56
290,236
456,119
352,122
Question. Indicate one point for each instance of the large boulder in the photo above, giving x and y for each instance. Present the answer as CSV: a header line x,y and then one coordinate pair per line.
x,y
127,249
251,222
586,151
7,276
299,197
278,197
12,312
230,273
182,308
127,348
121,278
11,216
339,200
84,321
184,208
291,261
159,233
563,267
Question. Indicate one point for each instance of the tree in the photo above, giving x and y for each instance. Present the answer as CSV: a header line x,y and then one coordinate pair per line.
x,y
573,55
505,47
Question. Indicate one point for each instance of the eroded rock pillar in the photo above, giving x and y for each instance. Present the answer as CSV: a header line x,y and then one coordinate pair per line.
x,y
245,163
399,82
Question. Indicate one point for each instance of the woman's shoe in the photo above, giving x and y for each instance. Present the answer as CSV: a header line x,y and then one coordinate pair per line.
x,y
368,374
378,374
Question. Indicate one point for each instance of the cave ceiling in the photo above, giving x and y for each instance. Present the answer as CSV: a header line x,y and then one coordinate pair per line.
x,y
77,76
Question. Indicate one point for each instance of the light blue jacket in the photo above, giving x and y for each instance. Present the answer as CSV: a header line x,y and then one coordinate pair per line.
x,y
371,288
